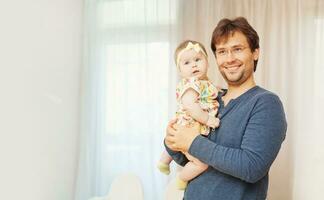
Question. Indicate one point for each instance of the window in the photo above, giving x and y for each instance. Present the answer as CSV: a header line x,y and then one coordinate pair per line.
x,y
136,37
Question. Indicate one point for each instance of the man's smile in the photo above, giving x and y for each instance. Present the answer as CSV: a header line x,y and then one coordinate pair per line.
x,y
232,68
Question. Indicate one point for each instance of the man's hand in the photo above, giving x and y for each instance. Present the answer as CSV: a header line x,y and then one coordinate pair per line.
x,y
180,138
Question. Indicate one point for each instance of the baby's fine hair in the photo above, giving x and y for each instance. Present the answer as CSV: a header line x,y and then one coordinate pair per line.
x,y
183,45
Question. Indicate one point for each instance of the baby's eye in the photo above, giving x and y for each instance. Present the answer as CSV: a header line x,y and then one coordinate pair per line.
x,y
197,59
186,63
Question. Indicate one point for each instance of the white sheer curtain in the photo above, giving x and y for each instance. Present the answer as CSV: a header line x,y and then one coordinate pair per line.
x,y
128,83
129,80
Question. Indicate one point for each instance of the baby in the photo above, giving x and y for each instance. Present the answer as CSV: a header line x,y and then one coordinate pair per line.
x,y
196,98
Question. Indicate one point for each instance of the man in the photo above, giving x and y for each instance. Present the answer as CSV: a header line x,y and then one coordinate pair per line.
x,y
240,152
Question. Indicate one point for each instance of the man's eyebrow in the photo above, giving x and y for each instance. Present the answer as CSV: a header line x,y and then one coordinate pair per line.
x,y
237,45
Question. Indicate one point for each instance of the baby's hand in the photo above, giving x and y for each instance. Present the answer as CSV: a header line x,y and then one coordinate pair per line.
x,y
213,122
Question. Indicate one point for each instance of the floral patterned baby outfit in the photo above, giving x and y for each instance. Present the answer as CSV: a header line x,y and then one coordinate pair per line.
x,y
207,100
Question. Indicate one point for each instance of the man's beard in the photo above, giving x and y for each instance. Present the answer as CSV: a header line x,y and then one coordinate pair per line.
x,y
234,80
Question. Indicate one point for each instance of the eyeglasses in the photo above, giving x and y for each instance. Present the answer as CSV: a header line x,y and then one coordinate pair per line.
x,y
237,50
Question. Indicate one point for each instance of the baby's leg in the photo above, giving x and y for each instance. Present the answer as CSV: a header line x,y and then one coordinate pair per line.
x,y
165,157
164,163
192,169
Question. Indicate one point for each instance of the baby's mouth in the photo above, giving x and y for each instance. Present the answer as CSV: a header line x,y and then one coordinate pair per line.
x,y
195,72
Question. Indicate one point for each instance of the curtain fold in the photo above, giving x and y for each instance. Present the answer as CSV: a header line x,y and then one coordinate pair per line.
x,y
129,79
128,85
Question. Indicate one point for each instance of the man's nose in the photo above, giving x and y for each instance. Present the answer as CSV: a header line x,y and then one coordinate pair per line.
x,y
230,56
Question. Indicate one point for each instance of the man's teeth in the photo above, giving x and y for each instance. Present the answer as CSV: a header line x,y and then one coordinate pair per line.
x,y
230,67
233,68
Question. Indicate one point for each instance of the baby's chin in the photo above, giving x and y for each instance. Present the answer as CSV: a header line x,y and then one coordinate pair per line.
x,y
201,77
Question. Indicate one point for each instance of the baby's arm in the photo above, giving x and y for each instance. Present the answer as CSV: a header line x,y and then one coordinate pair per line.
x,y
189,100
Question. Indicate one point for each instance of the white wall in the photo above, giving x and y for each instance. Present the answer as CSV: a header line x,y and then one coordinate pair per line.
x,y
40,58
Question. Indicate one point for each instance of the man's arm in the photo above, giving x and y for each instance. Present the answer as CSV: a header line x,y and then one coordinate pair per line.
x,y
260,144
177,156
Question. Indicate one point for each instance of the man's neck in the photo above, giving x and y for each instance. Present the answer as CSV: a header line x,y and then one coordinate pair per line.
x,y
235,91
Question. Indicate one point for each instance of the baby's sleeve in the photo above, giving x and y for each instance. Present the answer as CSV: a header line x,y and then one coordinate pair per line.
x,y
185,84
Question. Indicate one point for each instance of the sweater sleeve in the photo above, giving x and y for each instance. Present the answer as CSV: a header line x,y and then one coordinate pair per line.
x,y
264,133
177,156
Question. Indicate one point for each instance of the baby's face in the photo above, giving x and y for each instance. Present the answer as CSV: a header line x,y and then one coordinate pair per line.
x,y
193,64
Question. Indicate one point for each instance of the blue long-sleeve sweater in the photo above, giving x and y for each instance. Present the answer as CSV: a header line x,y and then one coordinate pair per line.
x,y
240,152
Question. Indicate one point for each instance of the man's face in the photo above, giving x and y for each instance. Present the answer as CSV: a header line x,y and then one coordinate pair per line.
x,y
235,59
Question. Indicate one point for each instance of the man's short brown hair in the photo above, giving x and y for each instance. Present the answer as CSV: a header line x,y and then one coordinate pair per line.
x,y
227,27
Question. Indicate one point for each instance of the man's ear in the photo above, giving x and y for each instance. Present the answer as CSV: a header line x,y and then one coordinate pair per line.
x,y
256,54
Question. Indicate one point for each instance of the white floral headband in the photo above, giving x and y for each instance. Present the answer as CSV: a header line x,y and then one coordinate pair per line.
x,y
196,47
